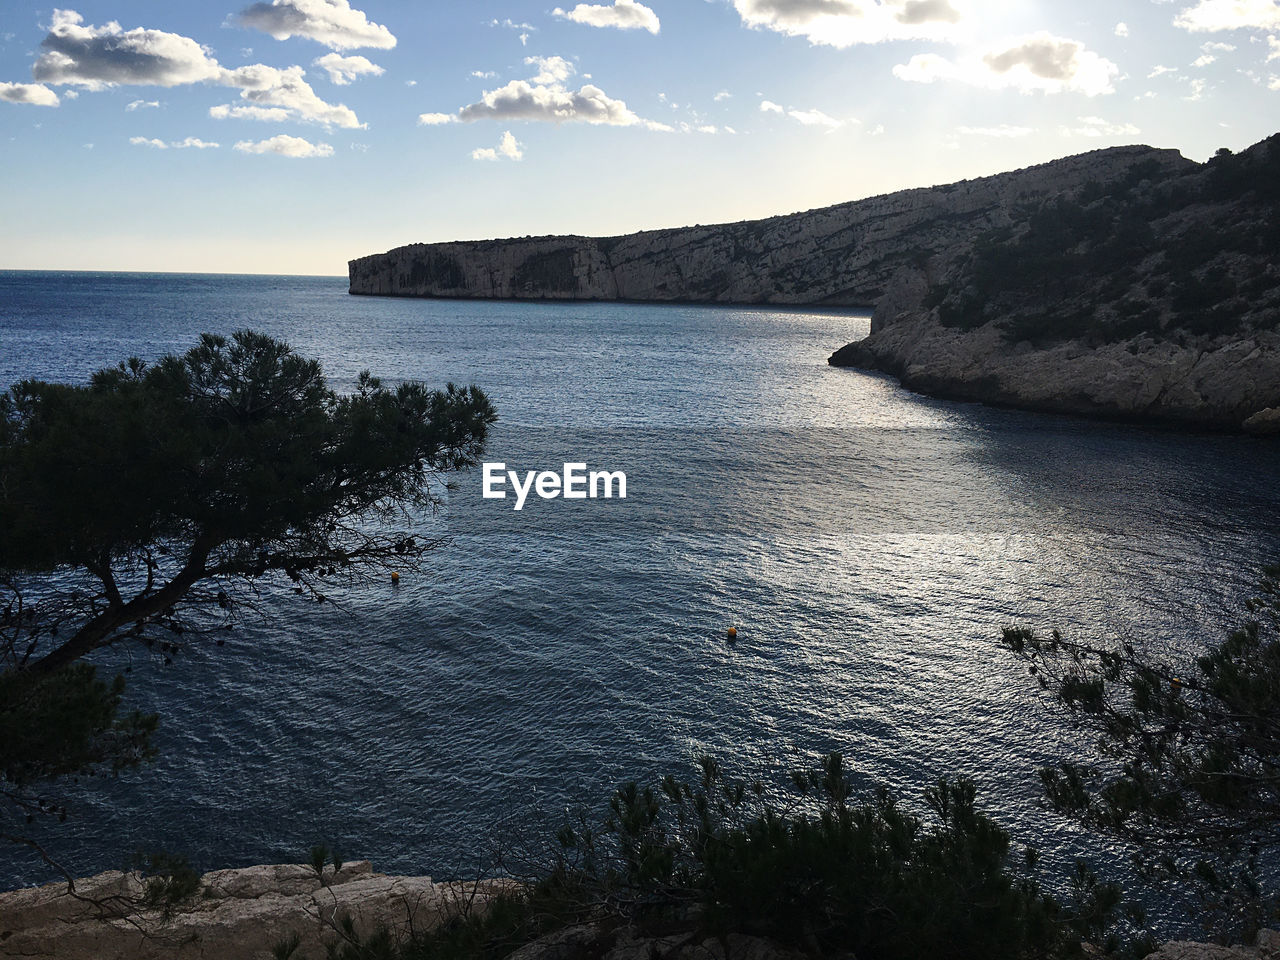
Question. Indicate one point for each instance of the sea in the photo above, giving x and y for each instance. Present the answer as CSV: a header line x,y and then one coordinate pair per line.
x,y
867,543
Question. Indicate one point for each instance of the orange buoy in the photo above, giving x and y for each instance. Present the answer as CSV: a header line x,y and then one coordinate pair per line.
x,y
395,577
733,633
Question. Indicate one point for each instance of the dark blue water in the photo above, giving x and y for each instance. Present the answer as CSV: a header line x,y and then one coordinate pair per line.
x,y
868,543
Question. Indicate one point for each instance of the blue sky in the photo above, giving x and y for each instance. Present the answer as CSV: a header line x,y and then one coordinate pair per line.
x,y
288,136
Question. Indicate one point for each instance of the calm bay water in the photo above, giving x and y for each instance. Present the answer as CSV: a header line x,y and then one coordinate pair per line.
x,y
868,543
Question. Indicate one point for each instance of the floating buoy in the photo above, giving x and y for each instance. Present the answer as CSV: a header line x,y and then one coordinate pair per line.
x,y
732,633
395,577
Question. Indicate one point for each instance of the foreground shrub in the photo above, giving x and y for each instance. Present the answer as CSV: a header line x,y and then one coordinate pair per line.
x,y
1189,758
817,868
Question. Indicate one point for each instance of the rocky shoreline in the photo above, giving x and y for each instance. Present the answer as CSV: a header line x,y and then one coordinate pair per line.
x,y
1229,384
234,915
243,914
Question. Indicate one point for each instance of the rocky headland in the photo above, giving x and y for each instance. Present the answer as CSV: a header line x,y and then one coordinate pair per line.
x,y
848,255
1128,282
1154,295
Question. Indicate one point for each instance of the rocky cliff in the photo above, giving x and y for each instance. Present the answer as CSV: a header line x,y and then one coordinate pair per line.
x,y
1128,282
847,255
1153,294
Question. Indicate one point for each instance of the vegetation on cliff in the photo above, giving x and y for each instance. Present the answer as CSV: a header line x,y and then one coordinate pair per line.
x,y
1154,253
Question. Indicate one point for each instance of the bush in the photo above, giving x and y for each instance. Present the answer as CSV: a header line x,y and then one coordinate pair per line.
x,y
1189,749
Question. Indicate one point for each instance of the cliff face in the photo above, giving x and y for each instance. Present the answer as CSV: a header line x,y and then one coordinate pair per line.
x,y
852,254
1154,295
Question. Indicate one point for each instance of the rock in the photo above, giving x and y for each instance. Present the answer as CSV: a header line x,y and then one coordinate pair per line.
x,y
1269,944
236,915
571,943
1267,948
597,942
1264,423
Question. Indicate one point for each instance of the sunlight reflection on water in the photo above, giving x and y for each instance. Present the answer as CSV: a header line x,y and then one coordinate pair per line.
x,y
868,543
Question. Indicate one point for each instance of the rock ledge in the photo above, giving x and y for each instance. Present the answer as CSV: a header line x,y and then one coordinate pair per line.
x,y
236,915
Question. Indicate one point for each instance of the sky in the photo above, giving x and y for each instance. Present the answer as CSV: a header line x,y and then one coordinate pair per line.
x,y
289,136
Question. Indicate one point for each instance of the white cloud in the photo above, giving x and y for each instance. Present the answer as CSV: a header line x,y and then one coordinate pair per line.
x,y
524,28
269,90
521,100
484,74
330,22
286,146
1041,62
1217,46
97,57
623,14
722,95
1158,70
1004,131
188,143
141,105
809,118
36,94
814,118
545,97
1203,60
1097,127
550,69
342,70
1273,45
1211,16
235,112
1273,83
508,147
843,23
100,56
1122,29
